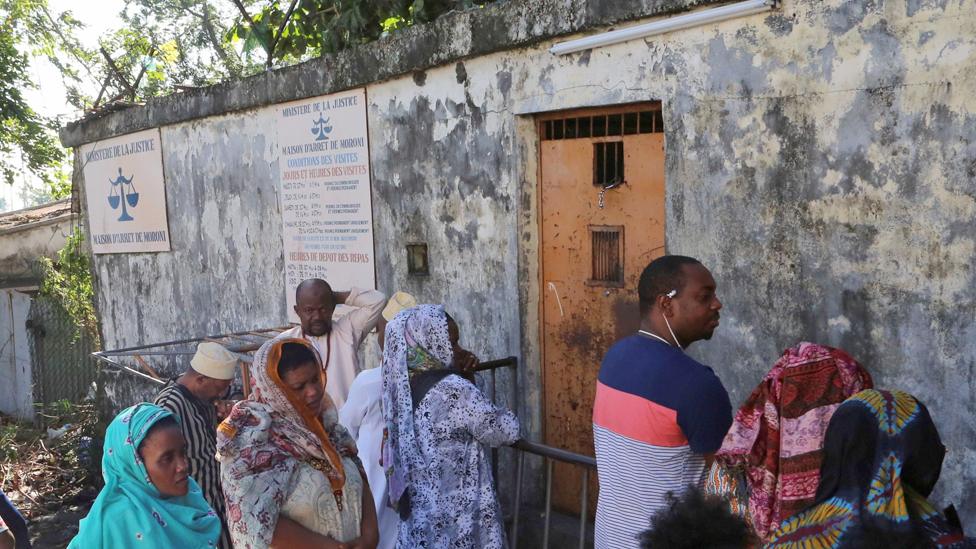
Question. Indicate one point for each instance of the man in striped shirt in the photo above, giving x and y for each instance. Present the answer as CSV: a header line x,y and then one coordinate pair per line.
x,y
191,397
659,415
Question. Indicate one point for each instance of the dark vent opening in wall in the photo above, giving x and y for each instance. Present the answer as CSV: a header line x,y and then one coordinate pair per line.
x,y
607,253
417,263
608,163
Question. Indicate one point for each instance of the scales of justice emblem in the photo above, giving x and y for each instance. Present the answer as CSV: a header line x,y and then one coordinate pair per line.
x,y
123,188
321,128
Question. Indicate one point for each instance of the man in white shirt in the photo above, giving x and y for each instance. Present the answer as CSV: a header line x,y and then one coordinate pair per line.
x,y
336,341
362,416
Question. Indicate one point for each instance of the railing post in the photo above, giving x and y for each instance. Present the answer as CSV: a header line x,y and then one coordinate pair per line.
x,y
584,502
494,395
518,498
494,451
545,530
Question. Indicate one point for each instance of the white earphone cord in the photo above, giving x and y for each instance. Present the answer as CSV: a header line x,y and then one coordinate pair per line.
x,y
672,332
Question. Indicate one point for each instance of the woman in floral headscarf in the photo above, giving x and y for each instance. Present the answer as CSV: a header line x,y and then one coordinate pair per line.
x,y
149,499
289,470
769,462
882,458
437,422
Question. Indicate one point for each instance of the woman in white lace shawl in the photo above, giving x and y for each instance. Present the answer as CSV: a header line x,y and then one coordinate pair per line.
x,y
437,425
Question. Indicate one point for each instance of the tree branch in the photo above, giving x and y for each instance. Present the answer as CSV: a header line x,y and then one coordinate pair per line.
x,y
118,73
102,91
277,35
247,16
66,42
232,66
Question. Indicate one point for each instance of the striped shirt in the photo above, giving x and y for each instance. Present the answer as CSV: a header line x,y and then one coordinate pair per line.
x,y
657,412
198,421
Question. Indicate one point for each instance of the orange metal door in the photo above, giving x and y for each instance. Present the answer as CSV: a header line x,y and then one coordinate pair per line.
x,y
590,299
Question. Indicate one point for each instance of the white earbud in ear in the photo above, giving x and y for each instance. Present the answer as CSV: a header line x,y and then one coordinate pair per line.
x,y
672,293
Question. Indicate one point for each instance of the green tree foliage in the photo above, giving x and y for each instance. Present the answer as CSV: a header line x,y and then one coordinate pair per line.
x,y
180,42
286,31
24,134
68,279
163,46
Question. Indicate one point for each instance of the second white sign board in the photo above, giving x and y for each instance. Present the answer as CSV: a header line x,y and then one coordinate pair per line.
x,y
326,206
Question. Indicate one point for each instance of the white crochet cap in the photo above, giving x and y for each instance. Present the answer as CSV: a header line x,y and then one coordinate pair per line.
x,y
398,302
214,361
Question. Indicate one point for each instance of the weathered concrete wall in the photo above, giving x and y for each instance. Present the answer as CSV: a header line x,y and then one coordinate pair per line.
x,y
39,235
458,35
823,164
820,160
224,271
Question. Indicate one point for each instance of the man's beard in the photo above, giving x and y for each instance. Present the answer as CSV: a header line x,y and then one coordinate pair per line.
x,y
326,329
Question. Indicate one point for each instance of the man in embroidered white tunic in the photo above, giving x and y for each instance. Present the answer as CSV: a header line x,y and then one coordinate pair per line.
x,y
336,341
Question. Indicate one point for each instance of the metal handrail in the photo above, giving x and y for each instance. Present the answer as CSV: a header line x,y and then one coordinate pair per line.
x,y
557,454
121,352
549,455
507,362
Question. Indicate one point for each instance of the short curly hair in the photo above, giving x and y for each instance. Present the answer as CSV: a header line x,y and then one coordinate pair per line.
x,y
695,520
662,275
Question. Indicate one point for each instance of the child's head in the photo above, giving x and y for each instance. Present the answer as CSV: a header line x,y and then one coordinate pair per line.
x,y
695,520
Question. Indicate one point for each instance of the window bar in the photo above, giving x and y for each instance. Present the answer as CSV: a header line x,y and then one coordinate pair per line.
x,y
598,164
606,255
618,172
602,241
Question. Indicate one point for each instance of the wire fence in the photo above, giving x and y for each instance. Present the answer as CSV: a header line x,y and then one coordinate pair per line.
x,y
62,364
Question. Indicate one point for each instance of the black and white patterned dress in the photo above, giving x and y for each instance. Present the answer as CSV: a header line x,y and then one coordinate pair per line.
x,y
452,498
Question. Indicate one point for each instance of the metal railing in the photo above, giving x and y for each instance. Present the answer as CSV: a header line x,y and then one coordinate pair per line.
x,y
241,343
551,454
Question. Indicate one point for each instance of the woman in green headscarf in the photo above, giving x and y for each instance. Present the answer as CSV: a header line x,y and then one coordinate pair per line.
x,y
149,499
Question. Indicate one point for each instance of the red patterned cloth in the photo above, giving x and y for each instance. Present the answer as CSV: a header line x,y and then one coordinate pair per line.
x,y
777,435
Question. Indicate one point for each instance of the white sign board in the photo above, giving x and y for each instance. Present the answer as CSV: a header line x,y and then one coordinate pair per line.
x,y
326,206
125,193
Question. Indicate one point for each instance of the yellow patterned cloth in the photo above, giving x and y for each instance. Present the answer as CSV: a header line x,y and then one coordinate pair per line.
x,y
729,483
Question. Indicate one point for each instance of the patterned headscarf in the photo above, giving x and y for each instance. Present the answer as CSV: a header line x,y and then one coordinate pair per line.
x,y
264,439
416,341
778,433
130,511
882,458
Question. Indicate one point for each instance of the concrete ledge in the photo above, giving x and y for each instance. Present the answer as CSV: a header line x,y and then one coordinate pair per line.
x,y
455,36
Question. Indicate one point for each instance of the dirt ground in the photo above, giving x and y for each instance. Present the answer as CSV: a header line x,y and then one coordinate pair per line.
x,y
49,470
56,530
